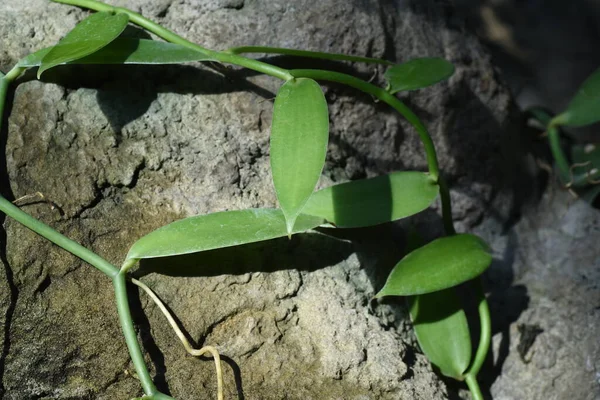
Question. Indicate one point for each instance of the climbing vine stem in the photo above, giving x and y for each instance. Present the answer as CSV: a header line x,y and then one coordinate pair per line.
x,y
224,57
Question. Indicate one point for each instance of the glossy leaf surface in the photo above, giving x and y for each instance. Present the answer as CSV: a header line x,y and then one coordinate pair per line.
x,y
442,331
89,36
299,136
217,230
128,51
373,201
584,108
441,264
418,73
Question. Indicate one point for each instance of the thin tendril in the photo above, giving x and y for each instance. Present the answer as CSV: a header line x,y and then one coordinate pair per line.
x,y
186,344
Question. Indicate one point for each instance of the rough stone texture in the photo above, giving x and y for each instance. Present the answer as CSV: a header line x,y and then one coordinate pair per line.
x,y
121,151
549,274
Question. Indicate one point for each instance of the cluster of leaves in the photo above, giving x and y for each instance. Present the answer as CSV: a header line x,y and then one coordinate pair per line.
x,y
579,168
298,146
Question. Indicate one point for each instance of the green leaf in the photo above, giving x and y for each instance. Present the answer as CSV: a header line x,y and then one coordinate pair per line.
x,y
89,36
128,51
299,136
217,230
373,201
442,330
418,73
584,108
441,264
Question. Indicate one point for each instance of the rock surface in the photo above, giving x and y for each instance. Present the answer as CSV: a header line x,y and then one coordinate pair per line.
x,y
551,259
120,151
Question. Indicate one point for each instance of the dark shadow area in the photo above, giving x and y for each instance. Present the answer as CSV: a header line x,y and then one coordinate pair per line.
x,y
237,375
545,49
493,155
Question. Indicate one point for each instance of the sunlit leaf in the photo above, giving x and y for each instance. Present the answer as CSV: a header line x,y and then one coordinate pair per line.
x,y
442,330
418,73
89,36
441,264
584,108
128,51
217,230
299,136
373,201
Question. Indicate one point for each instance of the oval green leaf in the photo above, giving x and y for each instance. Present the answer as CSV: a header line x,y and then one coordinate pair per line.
x,y
584,108
441,264
217,230
89,36
299,135
442,331
418,73
128,51
373,201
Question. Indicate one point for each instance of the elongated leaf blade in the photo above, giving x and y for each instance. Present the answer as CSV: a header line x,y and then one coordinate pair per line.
x,y
442,330
418,73
299,136
584,108
373,201
128,51
441,264
217,230
89,36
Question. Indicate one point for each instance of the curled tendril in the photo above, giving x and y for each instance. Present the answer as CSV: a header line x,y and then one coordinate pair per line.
x,y
186,344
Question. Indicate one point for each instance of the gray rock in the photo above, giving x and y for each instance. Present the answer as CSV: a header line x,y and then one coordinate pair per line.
x,y
551,350
121,151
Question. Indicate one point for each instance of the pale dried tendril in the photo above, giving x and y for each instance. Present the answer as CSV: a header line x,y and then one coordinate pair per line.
x,y
186,344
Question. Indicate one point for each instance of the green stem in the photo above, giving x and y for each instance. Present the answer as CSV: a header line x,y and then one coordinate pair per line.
x,y
485,337
474,387
60,240
558,154
384,96
120,284
175,38
446,207
540,114
306,53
